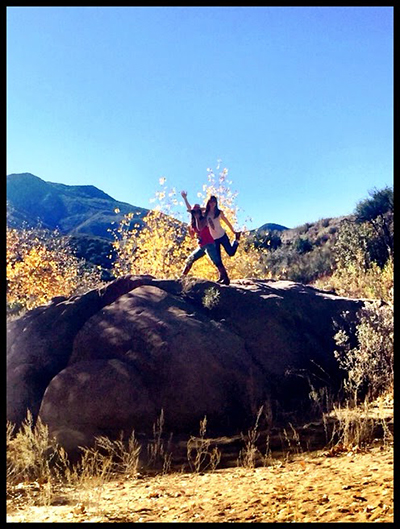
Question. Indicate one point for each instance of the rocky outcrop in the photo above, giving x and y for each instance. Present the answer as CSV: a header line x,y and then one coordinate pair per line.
x,y
40,343
110,360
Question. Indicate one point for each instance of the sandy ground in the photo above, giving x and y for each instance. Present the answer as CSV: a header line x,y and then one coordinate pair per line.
x,y
337,486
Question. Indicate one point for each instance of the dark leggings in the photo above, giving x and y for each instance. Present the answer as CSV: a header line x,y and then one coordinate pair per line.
x,y
226,243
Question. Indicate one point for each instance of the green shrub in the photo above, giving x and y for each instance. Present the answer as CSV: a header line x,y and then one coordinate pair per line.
x,y
369,366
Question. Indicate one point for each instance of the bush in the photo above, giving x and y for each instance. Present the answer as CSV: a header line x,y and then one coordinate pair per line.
x,y
41,265
287,263
30,451
363,250
359,282
302,245
358,271
378,211
158,249
269,240
369,365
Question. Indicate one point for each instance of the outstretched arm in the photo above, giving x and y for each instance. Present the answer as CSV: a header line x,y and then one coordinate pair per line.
x,y
227,222
184,196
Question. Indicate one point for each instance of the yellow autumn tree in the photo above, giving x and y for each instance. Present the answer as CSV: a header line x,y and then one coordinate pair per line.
x,y
40,265
161,247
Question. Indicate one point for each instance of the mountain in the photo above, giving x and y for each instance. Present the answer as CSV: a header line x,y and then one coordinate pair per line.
x,y
270,226
74,210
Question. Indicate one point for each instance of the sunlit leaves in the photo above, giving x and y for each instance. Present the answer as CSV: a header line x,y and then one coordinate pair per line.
x,y
40,265
161,247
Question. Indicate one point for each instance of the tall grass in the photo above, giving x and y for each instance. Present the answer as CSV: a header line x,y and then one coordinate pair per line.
x,y
34,456
30,451
201,456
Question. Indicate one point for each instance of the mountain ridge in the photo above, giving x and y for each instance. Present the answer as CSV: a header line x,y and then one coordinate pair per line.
x,y
72,209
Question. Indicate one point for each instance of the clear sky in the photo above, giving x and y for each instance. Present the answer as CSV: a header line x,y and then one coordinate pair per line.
x,y
296,102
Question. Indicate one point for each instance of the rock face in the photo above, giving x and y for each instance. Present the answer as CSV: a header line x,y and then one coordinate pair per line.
x,y
110,360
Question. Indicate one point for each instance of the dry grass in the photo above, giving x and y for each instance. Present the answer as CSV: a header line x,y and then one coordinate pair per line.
x,y
201,456
354,486
351,479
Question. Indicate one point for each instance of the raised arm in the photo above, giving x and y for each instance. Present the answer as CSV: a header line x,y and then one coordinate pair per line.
x,y
184,196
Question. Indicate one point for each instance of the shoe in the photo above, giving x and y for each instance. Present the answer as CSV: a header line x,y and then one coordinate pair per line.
x,y
223,276
237,235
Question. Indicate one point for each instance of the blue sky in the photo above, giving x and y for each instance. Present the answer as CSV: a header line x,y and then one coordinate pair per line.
x,y
297,103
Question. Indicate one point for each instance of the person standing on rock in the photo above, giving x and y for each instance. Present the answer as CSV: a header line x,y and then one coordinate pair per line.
x,y
199,227
214,216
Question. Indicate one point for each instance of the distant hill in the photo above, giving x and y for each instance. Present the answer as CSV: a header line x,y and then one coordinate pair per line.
x,y
74,210
319,233
270,226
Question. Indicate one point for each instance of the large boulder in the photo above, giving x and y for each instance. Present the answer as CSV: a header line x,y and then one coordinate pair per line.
x,y
40,343
112,359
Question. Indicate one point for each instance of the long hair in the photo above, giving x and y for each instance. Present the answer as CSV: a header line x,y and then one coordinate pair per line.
x,y
217,211
193,219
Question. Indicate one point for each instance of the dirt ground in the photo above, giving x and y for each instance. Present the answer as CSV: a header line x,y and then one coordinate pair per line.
x,y
332,486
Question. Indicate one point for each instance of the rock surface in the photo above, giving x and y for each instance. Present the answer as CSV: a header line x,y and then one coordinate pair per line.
x,y
110,360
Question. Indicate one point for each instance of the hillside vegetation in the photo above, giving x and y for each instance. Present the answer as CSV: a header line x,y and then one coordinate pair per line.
x,y
351,255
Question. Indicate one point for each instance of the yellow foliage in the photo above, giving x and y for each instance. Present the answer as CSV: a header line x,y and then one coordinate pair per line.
x,y
158,249
40,266
358,281
162,246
